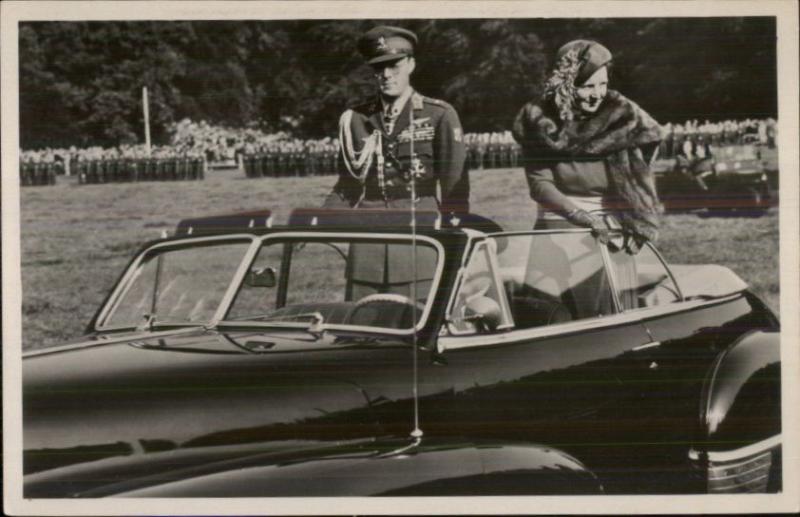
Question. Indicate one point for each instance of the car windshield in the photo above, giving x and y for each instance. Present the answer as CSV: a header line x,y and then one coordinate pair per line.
x,y
338,281
177,284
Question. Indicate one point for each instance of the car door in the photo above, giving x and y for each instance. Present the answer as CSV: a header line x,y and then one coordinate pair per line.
x,y
553,368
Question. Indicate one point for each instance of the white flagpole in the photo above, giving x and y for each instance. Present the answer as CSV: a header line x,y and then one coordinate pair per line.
x,y
146,109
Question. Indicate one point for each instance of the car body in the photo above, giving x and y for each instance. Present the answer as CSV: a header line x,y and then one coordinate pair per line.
x,y
723,180
350,353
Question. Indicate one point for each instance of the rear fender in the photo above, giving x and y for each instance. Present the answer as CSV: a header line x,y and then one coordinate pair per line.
x,y
742,392
739,448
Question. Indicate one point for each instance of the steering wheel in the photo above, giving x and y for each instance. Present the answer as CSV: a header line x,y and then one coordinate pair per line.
x,y
387,298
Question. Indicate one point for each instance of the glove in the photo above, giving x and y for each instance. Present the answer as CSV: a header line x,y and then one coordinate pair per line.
x,y
583,218
634,242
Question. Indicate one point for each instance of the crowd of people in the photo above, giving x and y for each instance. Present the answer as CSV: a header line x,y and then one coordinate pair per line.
x,y
195,145
290,158
717,134
111,165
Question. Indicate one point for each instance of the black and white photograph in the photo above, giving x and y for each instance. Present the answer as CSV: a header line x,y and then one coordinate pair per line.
x,y
429,258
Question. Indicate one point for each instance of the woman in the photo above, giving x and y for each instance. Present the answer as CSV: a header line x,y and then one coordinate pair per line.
x,y
587,150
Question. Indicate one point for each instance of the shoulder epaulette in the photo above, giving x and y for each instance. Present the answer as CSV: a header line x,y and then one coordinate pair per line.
x,y
436,102
417,100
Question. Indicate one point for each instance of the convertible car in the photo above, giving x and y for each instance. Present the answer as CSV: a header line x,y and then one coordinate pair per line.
x,y
355,354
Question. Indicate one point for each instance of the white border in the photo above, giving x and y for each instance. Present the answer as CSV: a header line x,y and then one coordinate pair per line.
x,y
787,27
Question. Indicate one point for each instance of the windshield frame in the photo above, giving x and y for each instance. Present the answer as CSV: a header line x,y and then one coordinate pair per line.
x,y
248,258
124,283
346,236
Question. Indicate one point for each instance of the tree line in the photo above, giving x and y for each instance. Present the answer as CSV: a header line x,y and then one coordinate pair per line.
x,y
80,82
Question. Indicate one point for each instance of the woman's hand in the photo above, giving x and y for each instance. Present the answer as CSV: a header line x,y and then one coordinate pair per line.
x,y
634,242
588,220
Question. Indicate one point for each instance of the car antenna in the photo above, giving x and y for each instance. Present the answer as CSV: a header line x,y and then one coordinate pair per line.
x,y
416,433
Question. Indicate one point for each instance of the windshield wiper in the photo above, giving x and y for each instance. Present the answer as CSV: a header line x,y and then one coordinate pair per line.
x,y
316,327
150,322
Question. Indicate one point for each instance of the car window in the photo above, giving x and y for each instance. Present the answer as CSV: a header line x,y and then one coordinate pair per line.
x,y
359,282
642,280
553,278
178,285
479,305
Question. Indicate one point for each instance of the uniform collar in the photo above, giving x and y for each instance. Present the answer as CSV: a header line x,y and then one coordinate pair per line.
x,y
398,104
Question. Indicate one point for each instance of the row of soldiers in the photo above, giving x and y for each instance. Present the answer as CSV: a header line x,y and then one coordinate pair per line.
x,y
121,164
717,134
39,172
272,155
115,170
492,150
499,149
291,160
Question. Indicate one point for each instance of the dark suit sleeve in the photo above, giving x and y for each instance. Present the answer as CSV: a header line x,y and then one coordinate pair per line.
x,y
449,154
347,189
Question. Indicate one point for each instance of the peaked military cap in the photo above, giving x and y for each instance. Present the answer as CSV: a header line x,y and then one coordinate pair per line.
x,y
592,54
385,43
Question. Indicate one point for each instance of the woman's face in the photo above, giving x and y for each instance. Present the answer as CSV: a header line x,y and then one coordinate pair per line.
x,y
590,94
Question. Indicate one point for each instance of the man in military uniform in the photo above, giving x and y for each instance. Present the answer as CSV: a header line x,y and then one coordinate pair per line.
x,y
399,134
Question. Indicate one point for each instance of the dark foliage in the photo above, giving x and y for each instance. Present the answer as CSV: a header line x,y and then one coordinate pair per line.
x,y
80,82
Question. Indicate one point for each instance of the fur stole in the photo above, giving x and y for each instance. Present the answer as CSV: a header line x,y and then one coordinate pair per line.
x,y
621,133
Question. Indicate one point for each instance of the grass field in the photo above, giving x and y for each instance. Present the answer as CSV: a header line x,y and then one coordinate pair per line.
x,y
77,239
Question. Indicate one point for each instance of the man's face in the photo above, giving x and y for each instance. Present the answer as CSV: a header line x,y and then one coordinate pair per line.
x,y
394,76
590,94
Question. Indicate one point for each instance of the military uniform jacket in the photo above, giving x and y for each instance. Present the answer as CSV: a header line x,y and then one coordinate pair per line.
x,y
438,144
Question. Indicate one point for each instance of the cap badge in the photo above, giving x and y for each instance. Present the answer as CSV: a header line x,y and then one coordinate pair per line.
x,y
382,46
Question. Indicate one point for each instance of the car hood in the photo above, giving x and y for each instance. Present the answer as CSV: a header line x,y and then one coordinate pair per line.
x,y
191,388
382,466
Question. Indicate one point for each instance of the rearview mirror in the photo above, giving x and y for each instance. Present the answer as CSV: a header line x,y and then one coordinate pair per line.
x,y
261,277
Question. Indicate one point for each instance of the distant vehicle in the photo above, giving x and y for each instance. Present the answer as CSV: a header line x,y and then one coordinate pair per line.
x,y
718,181
346,354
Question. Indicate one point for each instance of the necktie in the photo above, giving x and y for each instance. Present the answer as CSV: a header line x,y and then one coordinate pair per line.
x,y
389,118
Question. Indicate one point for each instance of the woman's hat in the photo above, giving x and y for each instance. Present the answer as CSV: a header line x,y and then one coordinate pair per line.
x,y
592,54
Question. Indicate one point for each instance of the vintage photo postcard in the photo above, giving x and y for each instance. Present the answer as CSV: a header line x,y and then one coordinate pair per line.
x,y
400,258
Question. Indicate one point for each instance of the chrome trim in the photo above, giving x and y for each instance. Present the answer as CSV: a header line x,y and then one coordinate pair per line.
x,y
498,282
514,336
646,346
124,283
236,282
539,232
749,476
657,311
666,266
746,451
755,464
612,278
106,339
482,244
473,240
